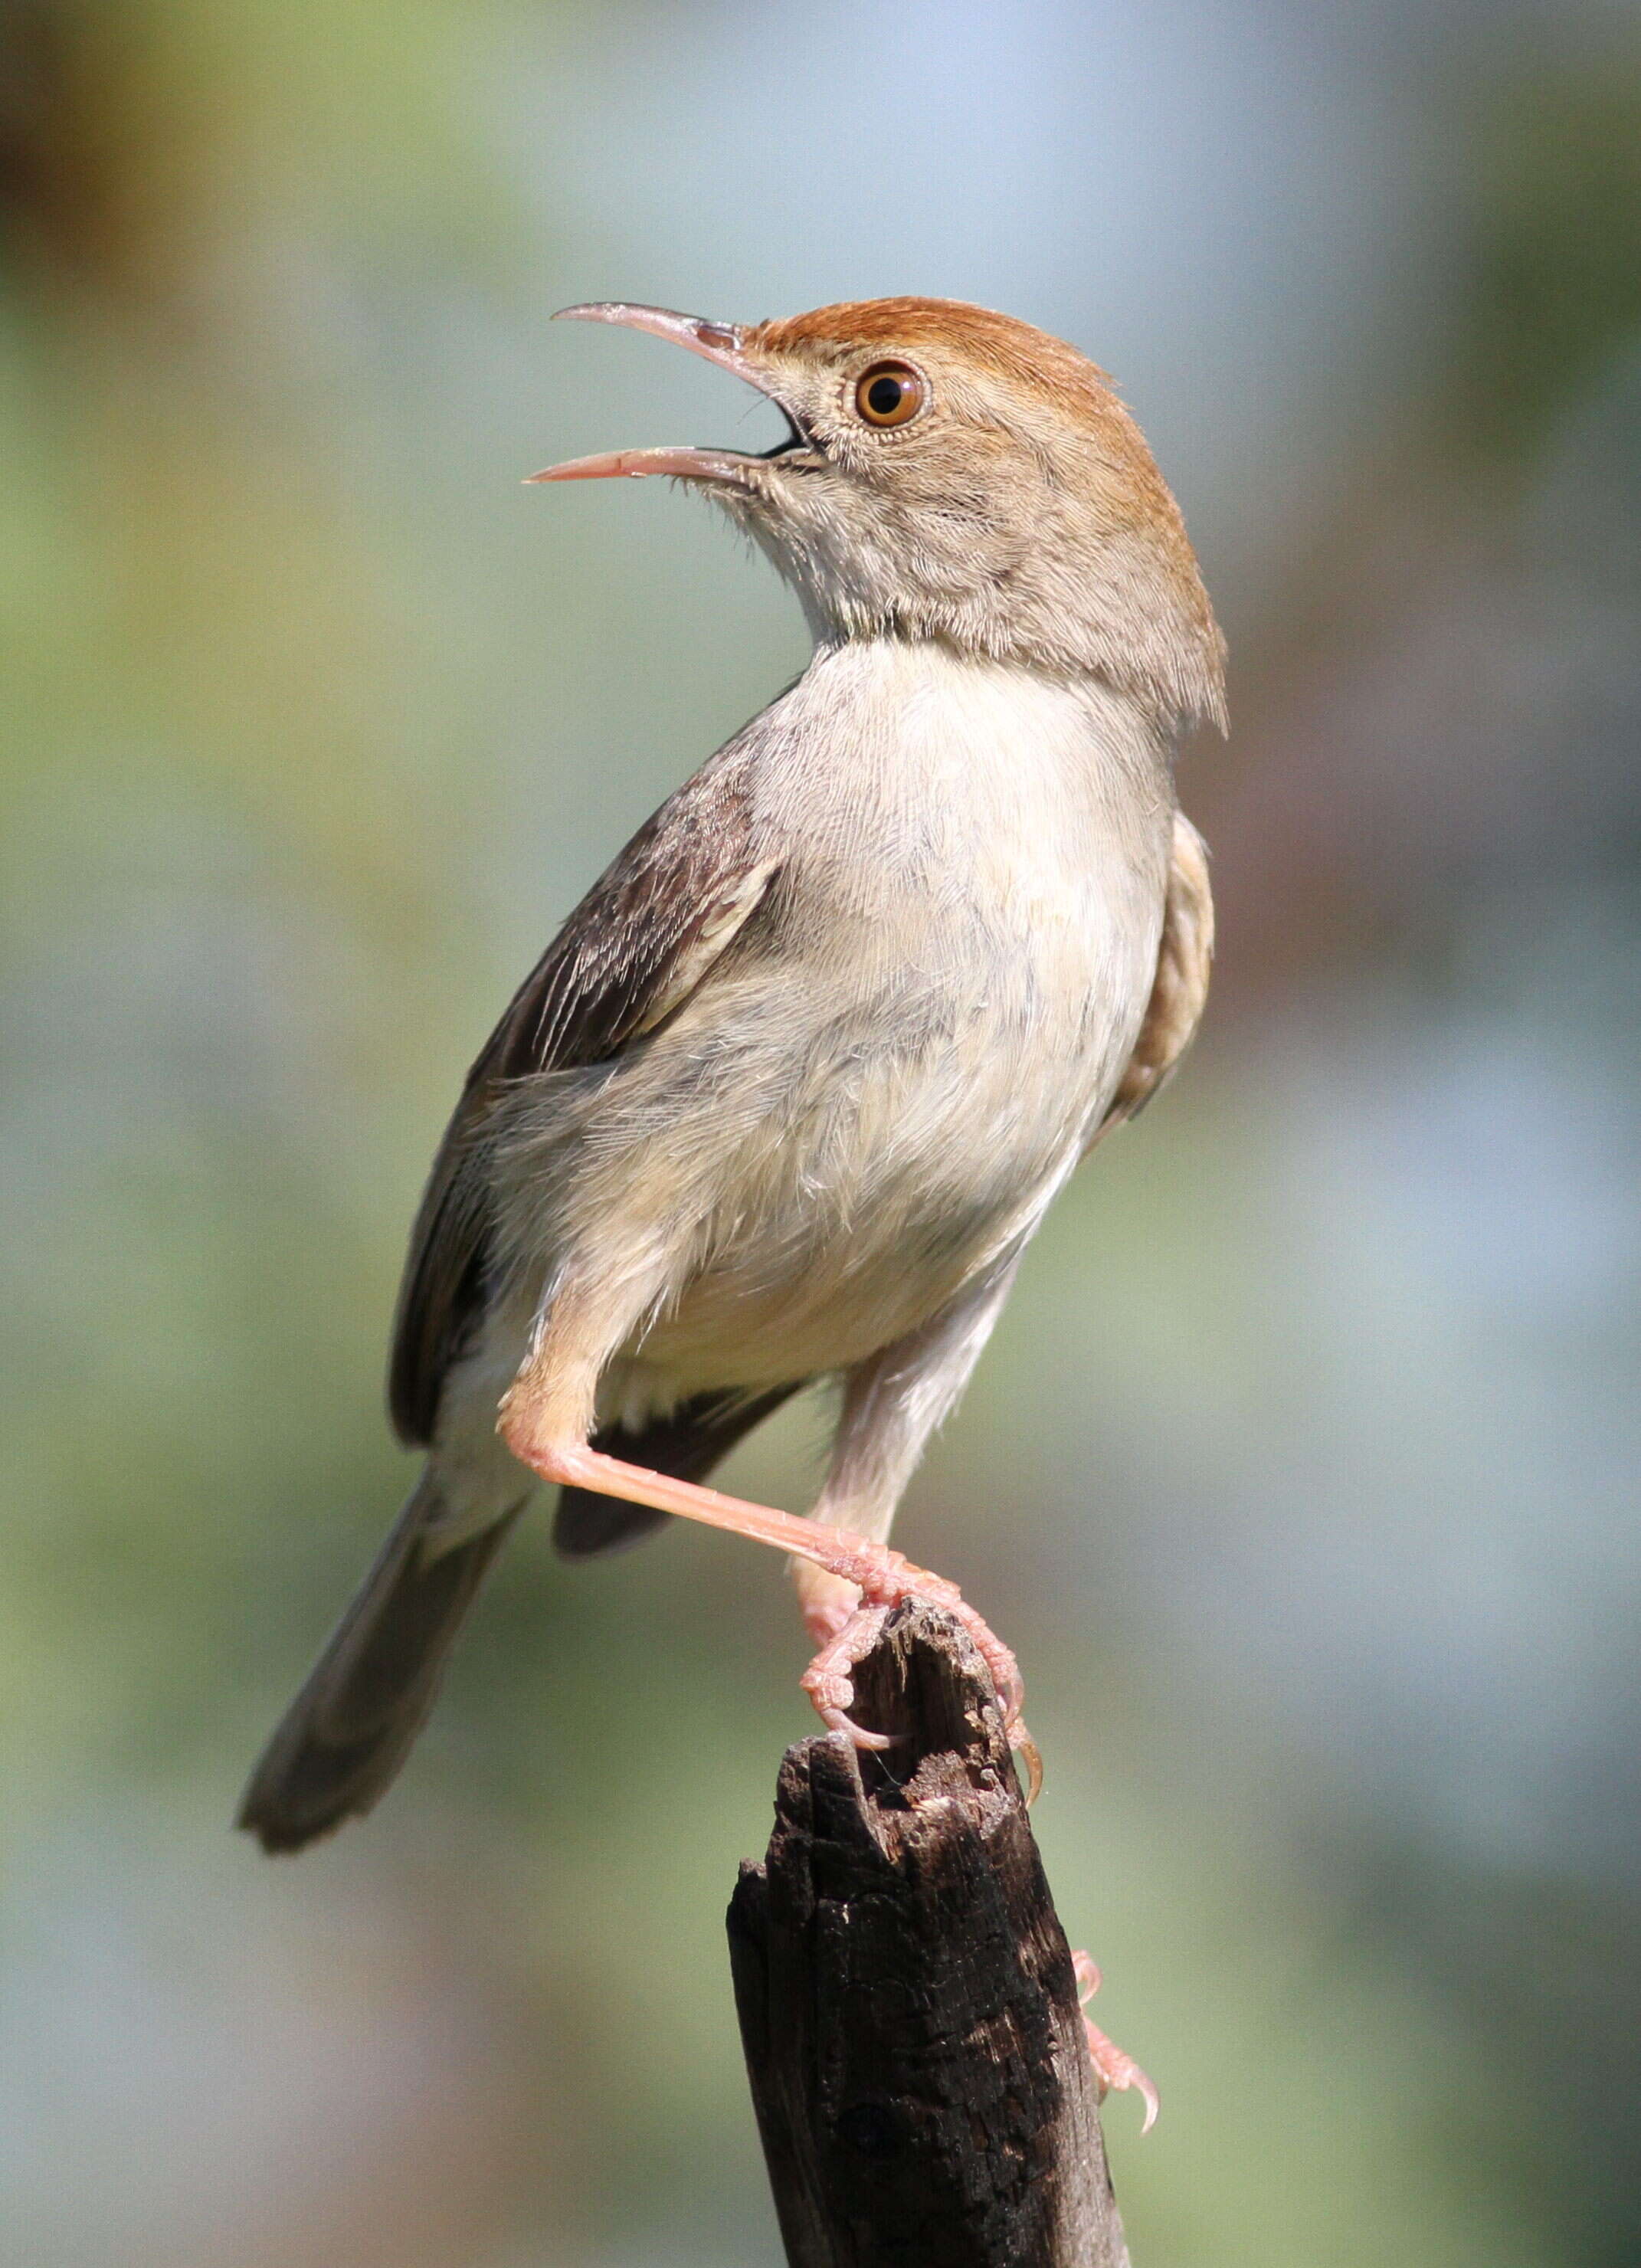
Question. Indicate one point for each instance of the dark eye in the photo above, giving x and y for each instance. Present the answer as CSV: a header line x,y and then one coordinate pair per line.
x,y
890,394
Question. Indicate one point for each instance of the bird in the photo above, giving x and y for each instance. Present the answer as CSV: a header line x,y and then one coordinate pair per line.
x,y
796,1083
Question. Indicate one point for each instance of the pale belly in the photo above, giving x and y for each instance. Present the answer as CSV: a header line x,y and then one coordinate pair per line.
x,y
848,1240
889,1161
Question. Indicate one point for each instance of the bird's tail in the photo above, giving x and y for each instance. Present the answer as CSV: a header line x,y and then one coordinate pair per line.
x,y
344,1738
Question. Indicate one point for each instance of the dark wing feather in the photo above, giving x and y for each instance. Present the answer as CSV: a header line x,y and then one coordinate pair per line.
x,y
631,952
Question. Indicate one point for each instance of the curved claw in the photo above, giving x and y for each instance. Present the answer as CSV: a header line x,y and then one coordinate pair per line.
x,y
837,1721
1113,2070
1118,2072
1021,1741
1011,1693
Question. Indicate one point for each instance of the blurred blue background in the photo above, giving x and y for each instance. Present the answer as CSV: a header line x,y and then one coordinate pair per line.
x,y
1303,1468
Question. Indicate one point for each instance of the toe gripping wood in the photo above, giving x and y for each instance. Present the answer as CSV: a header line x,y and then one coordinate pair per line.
x,y
907,2007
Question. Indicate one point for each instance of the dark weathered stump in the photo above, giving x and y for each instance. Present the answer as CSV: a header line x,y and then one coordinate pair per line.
x,y
917,2056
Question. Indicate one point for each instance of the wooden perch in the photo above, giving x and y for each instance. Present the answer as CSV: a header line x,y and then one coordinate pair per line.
x,y
917,2057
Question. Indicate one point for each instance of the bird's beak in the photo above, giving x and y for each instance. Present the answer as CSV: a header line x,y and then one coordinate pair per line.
x,y
723,344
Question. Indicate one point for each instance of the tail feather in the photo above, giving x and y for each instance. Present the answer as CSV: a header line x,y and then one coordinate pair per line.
x,y
344,1738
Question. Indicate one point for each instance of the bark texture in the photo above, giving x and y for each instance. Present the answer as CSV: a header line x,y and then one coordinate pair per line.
x,y
908,2008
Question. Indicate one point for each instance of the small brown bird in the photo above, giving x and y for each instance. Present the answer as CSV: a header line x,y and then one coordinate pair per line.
x,y
795,1084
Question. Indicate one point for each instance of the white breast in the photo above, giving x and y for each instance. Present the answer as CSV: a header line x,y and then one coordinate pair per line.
x,y
970,906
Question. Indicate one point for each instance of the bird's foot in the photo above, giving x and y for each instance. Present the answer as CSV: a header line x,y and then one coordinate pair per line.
x,y
1112,2068
879,1579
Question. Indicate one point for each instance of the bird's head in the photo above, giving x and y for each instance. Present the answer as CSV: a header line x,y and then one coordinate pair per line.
x,y
951,474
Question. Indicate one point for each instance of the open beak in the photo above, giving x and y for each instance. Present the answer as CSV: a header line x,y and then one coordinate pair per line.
x,y
723,344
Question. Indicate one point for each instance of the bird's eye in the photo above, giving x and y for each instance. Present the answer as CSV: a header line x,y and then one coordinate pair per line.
x,y
890,394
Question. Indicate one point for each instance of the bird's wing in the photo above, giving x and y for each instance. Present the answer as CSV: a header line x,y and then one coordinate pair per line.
x,y
1181,987
632,951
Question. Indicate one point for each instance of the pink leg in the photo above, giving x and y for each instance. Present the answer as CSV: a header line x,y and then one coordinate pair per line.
x,y
826,1680
884,1578
825,1603
1113,2068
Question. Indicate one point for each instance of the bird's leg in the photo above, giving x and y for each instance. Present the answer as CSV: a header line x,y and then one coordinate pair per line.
x,y
826,1603
1112,2067
883,1577
891,1404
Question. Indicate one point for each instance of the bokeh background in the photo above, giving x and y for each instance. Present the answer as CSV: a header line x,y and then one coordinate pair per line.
x,y
1303,1468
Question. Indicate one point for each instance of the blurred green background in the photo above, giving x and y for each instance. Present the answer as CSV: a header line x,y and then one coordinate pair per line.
x,y
1303,1468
